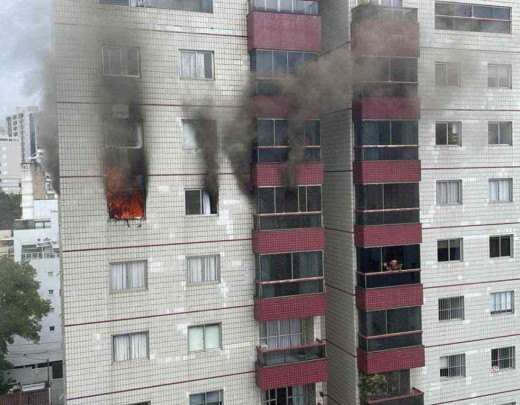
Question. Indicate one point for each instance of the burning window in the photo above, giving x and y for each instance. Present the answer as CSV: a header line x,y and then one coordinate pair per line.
x,y
125,168
199,202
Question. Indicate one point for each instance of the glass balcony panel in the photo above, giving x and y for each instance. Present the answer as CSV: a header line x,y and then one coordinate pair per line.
x,y
287,221
386,217
373,260
388,279
390,342
286,289
292,355
387,153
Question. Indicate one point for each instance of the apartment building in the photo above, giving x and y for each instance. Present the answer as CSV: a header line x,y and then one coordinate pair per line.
x,y
23,126
181,284
421,203
10,163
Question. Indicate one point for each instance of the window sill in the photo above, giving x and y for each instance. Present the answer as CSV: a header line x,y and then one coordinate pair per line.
x,y
500,202
204,284
201,216
122,293
194,79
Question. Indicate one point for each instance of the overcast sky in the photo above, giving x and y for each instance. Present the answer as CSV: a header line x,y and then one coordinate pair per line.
x,y
25,34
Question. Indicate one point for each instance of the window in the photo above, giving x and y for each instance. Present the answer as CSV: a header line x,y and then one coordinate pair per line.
x,y
280,334
203,269
451,308
199,202
287,6
51,292
448,133
501,190
35,252
57,370
197,65
283,200
503,358
190,128
207,398
50,274
502,302
204,338
499,76
449,192
501,246
189,134
297,394
128,275
500,133
121,61
472,17
275,63
133,346
447,74
51,328
203,6
290,266
453,366
449,250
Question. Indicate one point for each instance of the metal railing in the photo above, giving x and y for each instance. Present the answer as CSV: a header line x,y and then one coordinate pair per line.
x,y
289,355
390,341
388,278
286,288
288,220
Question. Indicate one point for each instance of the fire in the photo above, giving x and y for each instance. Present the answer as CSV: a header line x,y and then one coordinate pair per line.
x,y
125,194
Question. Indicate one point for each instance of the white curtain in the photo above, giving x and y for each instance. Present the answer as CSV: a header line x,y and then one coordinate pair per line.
x,y
449,192
211,268
196,339
118,276
188,134
139,346
212,337
500,190
195,269
206,203
502,302
193,65
112,60
121,347
136,274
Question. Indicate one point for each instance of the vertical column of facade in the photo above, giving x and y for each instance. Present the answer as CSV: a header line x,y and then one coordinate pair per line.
x,y
386,174
288,238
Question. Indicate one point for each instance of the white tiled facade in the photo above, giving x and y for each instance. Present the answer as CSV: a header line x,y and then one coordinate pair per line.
x,y
474,162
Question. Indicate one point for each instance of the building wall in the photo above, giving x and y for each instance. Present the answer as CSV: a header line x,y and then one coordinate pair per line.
x,y
10,165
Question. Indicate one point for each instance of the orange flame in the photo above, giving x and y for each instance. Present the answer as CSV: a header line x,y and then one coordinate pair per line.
x,y
125,196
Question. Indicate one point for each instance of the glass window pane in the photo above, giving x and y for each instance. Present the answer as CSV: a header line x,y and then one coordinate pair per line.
x,y
314,198
494,247
193,202
196,339
212,337
281,132
265,132
197,399
266,200
455,249
280,62
264,63
441,134
505,246
442,251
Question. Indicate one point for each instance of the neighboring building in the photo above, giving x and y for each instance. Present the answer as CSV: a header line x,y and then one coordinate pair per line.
x,y
176,295
159,276
10,163
6,243
422,168
23,125
36,241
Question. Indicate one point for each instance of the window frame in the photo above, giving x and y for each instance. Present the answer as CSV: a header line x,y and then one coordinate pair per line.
x,y
462,366
450,308
472,17
204,326
447,66
128,290
124,65
493,311
508,360
298,203
139,4
497,75
128,335
196,52
500,238
201,191
218,270
461,244
499,133
220,396
459,183
447,134
511,191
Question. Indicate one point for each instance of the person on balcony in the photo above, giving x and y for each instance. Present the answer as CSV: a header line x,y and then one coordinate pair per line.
x,y
393,265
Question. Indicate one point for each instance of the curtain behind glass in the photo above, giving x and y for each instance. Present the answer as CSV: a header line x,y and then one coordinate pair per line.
x,y
139,346
121,347
117,276
212,337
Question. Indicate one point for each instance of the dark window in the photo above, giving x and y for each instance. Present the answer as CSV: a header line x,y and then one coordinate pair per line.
x,y
296,394
200,202
57,370
503,358
449,250
371,260
387,133
387,196
376,323
271,63
500,133
289,266
207,398
448,133
282,200
500,246
499,76
451,308
472,17
447,74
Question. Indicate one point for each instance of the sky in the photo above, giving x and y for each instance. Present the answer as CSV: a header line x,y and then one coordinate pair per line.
x,y
25,33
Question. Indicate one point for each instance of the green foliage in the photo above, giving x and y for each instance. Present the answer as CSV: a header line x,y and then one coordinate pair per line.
x,y
371,385
9,209
5,380
21,308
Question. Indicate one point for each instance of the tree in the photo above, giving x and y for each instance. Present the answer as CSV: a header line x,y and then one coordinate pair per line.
x,y
21,309
9,209
371,385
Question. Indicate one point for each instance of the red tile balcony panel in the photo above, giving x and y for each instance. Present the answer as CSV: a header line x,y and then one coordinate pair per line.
x,y
273,174
387,235
292,32
386,108
310,370
377,299
387,171
293,307
390,360
379,37
290,240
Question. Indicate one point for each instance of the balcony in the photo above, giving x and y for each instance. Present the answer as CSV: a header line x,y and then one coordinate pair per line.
x,y
398,296
294,32
289,220
386,108
386,89
293,240
273,174
388,171
390,360
414,397
387,217
384,279
301,365
385,31
388,235
296,299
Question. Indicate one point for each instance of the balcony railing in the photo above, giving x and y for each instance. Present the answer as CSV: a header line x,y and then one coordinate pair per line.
x,y
280,154
414,397
293,7
287,221
388,278
387,217
388,342
285,288
387,152
289,355
373,11
386,89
